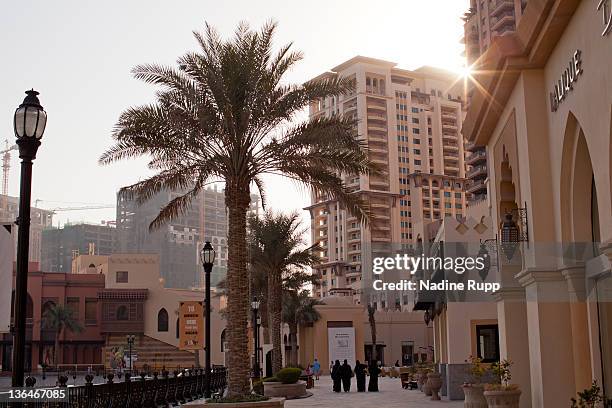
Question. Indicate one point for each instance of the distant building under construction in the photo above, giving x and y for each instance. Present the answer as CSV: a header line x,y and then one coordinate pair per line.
x,y
178,242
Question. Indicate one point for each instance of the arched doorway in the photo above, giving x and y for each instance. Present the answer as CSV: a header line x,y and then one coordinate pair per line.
x,y
581,235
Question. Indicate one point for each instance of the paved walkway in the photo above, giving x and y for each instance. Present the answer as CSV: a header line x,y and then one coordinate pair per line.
x,y
391,395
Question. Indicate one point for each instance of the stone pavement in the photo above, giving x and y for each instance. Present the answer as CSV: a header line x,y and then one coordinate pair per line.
x,y
391,395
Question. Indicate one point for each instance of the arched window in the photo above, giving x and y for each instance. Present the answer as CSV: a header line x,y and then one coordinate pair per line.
x,y
162,320
223,341
122,313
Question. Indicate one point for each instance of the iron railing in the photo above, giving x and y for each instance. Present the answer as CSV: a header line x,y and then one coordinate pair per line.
x,y
154,390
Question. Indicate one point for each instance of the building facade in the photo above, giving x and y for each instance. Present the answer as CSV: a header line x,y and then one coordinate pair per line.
x,y
411,122
80,293
543,112
39,221
178,242
486,20
61,245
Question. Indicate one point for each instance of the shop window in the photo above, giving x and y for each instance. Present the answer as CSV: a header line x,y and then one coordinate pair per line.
x,y
487,342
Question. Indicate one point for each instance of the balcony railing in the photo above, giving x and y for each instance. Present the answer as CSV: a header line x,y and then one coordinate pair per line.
x,y
477,170
145,390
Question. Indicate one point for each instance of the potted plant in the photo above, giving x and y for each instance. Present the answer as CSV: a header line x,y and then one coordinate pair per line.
x,y
502,394
589,398
424,372
286,384
434,381
473,390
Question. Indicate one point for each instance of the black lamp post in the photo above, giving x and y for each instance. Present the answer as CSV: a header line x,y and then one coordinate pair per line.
x,y
29,124
207,256
130,341
255,308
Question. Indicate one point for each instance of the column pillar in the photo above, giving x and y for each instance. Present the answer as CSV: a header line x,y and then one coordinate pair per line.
x,y
513,339
576,282
549,324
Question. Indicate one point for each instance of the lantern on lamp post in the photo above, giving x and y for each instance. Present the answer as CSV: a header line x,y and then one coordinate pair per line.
x,y
29,124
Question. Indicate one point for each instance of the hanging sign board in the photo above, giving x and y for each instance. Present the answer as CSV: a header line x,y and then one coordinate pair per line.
x,y
191,326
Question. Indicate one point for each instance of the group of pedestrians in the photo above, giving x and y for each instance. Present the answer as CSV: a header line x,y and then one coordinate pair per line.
x,y
342,374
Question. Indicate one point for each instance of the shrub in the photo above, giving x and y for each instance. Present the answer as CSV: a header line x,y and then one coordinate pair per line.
x,y
588,398
270,379
288,375
477,369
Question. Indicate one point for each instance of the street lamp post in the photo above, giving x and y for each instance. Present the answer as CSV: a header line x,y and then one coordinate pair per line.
x,y
207,256
29,125
130,341
255,309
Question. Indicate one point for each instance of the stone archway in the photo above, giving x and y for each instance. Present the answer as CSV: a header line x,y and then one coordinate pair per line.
x,y
580,236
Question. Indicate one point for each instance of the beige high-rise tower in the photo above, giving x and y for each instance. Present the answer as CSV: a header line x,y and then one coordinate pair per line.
x,y
488,19
411,121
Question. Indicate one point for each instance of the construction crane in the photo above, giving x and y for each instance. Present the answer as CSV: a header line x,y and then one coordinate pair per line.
x,y
77,208
6,165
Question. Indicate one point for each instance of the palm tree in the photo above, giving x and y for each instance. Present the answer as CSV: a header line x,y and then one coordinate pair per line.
x,y
60,318
224,115
298,310
277,249
372,321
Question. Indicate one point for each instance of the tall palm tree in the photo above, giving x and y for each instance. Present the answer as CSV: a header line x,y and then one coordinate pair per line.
x,y
277,248
298,310
224,115
60,318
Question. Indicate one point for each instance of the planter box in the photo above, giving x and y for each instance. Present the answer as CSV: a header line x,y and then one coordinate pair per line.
x,y
271,403
288,391
474,397
503,399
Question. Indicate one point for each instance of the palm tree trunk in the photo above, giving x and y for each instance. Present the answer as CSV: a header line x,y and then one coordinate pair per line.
x,y
238,361
275,306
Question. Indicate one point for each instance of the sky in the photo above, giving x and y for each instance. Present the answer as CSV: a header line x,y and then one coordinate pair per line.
x,y
78,55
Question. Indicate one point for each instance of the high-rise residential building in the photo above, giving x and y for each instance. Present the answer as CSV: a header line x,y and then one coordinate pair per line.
x,y
39,220
178,242
61,245
411,122
487,19
476,159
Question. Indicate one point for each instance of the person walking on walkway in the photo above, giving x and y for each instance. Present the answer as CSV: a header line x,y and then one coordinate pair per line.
x,y
360,375
346,374
374,371
336,375
316,366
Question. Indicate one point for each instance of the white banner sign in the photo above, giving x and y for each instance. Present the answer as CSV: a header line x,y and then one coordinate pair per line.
x,y
341,344
7,255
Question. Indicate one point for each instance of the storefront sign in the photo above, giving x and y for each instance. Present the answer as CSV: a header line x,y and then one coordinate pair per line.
x,y
341,344
565,84
191,326
605,6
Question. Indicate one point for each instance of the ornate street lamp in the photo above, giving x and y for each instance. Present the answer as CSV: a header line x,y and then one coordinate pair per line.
x,y
29,124
255,308
207,256
130,341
